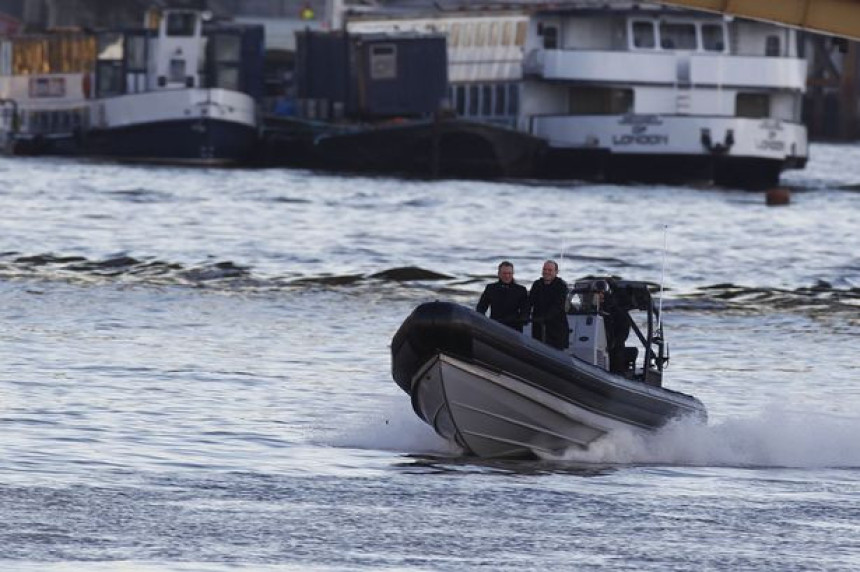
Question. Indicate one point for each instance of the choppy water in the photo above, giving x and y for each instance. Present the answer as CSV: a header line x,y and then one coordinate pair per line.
x,y
194,373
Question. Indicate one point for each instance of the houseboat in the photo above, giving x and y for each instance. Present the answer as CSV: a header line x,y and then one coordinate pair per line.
x,y
624,90
45,91
179,90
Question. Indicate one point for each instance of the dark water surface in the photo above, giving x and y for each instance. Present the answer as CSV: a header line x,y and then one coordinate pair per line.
x,y
195,373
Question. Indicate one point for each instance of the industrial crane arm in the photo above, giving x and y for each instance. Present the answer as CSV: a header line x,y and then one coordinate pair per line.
x,y
836,17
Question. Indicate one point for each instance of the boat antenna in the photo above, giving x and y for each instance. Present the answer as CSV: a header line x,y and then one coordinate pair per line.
x,y
662,278
561,256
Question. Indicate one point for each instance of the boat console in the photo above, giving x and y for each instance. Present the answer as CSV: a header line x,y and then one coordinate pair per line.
x,y
600,323
587,328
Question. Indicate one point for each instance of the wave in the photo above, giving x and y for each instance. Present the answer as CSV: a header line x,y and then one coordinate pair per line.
x,y
79,268
820,297
230,276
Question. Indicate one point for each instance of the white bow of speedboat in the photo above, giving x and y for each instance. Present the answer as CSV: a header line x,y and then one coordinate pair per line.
x,y
498,415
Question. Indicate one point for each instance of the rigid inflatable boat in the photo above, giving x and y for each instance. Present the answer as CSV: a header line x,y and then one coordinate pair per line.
x,y
496,392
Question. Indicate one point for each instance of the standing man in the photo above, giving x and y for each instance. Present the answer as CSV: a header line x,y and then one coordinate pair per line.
x,y
547,298
508,301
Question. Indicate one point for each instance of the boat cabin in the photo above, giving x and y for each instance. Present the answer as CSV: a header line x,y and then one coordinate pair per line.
x,y
44,87
180,49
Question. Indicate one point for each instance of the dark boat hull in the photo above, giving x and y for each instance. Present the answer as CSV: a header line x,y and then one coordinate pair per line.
x,y
497,393
447,147
729,171
49,144
193,140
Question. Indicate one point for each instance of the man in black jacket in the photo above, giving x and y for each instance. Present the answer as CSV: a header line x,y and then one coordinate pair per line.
x,y
508,301
547,299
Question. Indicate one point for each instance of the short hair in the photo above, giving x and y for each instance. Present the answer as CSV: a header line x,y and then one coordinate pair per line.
x,y
554,263
504,263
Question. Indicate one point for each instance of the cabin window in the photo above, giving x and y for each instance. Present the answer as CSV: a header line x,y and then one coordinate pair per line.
x,y
508,34
513,99
227,48
752,105
713,39
47,87
550,37
481,35
643,35
180,24
466,36
110,76
51,54
474,96
677,36
454,35
771,46
599,101
227,77
176,71
135,53
110,47
494,34
501,91
460,99
226,58
110,79
522,28
383,61
486,100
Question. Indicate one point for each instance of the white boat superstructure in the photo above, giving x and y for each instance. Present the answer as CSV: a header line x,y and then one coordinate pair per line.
x,y
628,89
721,96
180,89
45,90
177,91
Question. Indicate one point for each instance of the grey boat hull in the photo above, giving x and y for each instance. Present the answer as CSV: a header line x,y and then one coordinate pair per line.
x,y
492,414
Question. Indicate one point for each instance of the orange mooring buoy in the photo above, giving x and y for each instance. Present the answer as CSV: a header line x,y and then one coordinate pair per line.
x,y
777,197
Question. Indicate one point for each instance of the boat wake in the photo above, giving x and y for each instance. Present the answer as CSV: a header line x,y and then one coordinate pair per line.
x,y
777,438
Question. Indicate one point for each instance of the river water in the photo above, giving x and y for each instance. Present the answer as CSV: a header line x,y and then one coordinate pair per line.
x,y
194,373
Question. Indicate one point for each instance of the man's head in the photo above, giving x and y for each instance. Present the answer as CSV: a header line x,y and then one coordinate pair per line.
x,y
506,272
550,271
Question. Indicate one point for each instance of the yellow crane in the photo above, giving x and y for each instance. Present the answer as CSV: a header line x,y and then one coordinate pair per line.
x,y
836,17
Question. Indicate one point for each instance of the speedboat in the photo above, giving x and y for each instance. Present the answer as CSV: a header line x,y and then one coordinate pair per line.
x,y
497,393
